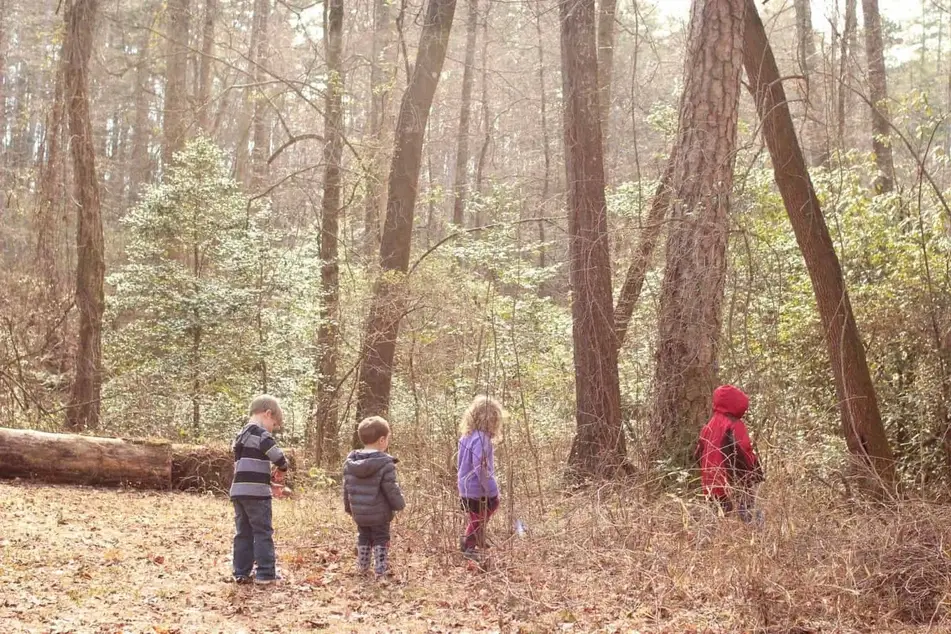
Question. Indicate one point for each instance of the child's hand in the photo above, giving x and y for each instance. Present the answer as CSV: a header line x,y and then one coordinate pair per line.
x,y
278,476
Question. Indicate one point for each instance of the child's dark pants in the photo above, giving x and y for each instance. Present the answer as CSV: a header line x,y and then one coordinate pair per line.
x,y
375,540
253,538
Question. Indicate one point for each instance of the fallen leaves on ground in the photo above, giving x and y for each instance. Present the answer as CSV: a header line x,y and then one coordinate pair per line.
x,y
77,560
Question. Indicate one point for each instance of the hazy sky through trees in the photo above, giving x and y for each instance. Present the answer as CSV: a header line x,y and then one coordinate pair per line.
x,y
894,10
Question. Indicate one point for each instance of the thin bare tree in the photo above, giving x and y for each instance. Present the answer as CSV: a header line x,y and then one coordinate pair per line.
x,y
858,404
326,450
382,73
878,93
386,311
176,88
205,65
84,399
462,138
816,140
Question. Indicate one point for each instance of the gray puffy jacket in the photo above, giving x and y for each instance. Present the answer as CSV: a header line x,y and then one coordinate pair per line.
x,y
370,491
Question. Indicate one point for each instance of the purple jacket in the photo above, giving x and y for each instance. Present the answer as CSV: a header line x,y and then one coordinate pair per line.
x,y
476,476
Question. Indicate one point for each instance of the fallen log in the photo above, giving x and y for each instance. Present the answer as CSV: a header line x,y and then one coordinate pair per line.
x,y
142,463
74,459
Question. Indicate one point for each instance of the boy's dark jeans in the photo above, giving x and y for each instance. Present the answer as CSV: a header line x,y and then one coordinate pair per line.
x,y
373,535
253,538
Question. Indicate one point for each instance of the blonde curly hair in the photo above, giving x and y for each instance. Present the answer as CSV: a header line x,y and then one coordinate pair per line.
x,y
484,414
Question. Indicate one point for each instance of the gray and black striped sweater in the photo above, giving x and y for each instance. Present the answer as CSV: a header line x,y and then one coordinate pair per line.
x,y
254,451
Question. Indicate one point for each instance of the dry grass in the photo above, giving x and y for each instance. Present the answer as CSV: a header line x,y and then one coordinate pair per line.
x,y
85,560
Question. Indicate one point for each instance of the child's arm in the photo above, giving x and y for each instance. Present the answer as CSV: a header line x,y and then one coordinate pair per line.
x,y
391,489
480,460
745,446
273,452
346,499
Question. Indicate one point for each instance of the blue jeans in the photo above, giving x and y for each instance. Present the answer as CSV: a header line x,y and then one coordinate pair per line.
x,y
253,538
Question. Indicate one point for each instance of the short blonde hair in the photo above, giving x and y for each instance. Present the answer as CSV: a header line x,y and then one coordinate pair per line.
x,y
372,429
484,414
266,403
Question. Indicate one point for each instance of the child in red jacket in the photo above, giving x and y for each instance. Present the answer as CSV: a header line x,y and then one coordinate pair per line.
x,y
729,468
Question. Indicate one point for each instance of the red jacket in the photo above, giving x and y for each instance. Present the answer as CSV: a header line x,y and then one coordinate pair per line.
x,y
725,450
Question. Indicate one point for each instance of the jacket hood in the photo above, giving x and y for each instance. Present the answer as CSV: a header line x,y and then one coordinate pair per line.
x,y
730,400
363,463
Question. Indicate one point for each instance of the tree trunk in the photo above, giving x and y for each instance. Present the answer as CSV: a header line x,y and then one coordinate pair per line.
x,y
486,111
606,17
379,345
462,140
692,291
546,141
50,190
71,459
846,51
858,404
245,121
382,73
326,451
813,133
598,450
878,93
176,62
3,88
260,125
204,66
83,410
141,132
647,242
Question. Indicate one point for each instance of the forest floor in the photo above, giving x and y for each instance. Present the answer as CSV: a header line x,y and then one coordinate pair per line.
x,y
77,560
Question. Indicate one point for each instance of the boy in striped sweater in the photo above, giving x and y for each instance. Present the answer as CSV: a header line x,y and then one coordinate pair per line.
x,y
254,451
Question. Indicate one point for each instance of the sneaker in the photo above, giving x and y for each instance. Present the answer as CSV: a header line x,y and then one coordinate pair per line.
x,y
266,582
242,580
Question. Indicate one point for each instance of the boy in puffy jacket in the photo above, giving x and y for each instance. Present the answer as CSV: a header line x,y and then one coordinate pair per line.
x,y
729,467
371,494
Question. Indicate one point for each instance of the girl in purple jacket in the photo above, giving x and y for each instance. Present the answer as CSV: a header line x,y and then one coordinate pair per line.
x,y
478,489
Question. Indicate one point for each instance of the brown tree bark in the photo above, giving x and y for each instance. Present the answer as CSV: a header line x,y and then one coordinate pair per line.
x,y
816,140
205,65
176,63
878,93
606,16
260,122
326,449
845,53
83,409
72,459
692,290
598,450
462,138
858,404
382,73
379,344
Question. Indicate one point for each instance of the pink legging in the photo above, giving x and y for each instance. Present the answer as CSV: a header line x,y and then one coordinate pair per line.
x,y
475,531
